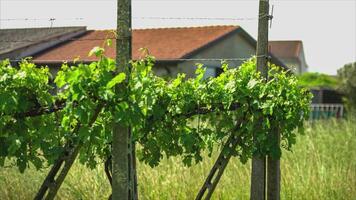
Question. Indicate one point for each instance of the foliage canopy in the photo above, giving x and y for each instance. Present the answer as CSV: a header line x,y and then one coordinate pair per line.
x,y
315,80
180,117
347,75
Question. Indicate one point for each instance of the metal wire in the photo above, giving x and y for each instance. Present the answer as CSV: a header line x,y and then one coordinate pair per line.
x,y
199,18
39,19
149,18
143,17
208,59
178,59
58,39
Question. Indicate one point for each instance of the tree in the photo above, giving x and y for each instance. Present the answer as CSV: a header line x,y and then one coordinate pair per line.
x,y
316,80
347,75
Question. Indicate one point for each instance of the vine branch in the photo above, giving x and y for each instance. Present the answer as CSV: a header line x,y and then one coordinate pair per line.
x,y
35,112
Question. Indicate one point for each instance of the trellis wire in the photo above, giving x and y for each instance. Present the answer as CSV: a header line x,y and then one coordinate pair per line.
x,y
39,19
177,59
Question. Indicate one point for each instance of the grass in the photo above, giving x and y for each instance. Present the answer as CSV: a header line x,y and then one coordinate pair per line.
x,y
321,166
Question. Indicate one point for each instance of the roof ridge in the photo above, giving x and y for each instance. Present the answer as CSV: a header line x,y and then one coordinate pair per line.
x,y
301,41
177,27
37,28
187,27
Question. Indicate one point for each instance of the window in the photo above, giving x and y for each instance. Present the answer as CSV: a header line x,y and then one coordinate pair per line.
x,y
218,71
210,72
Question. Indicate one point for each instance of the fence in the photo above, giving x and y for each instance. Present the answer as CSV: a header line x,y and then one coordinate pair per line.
x,y
325,111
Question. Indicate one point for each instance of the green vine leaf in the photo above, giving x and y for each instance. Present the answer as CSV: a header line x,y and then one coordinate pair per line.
x,y
116,80
97,51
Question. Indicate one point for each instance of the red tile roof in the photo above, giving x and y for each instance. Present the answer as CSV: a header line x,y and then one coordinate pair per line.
x,y
286,49
163,43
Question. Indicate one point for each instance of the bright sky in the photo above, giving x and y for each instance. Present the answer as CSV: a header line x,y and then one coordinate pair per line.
x,y
326,27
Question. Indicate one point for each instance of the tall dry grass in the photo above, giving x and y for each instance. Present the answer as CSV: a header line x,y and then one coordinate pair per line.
x,y
321,166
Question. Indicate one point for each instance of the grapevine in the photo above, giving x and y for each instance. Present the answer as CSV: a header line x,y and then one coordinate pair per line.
x,y
40,116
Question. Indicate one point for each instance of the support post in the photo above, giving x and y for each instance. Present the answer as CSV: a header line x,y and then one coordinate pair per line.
x,y
218,169
274,173
57,174
258,178
123,157
62,175
258,175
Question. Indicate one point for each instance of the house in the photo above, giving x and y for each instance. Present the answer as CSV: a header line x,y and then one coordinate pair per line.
x,y
326,95
326,103
20,43
291,53
176,49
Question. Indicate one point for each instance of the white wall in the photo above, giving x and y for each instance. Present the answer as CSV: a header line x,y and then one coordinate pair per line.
x,y
233,46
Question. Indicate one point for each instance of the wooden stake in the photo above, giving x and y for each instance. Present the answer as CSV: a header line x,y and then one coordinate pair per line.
x,y
258,178
61,167
258,175
123,158
274,173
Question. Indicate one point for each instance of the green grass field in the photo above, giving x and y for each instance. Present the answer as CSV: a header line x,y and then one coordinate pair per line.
x,y
321,166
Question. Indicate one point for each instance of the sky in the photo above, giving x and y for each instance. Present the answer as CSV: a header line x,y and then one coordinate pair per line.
x,y
326,27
